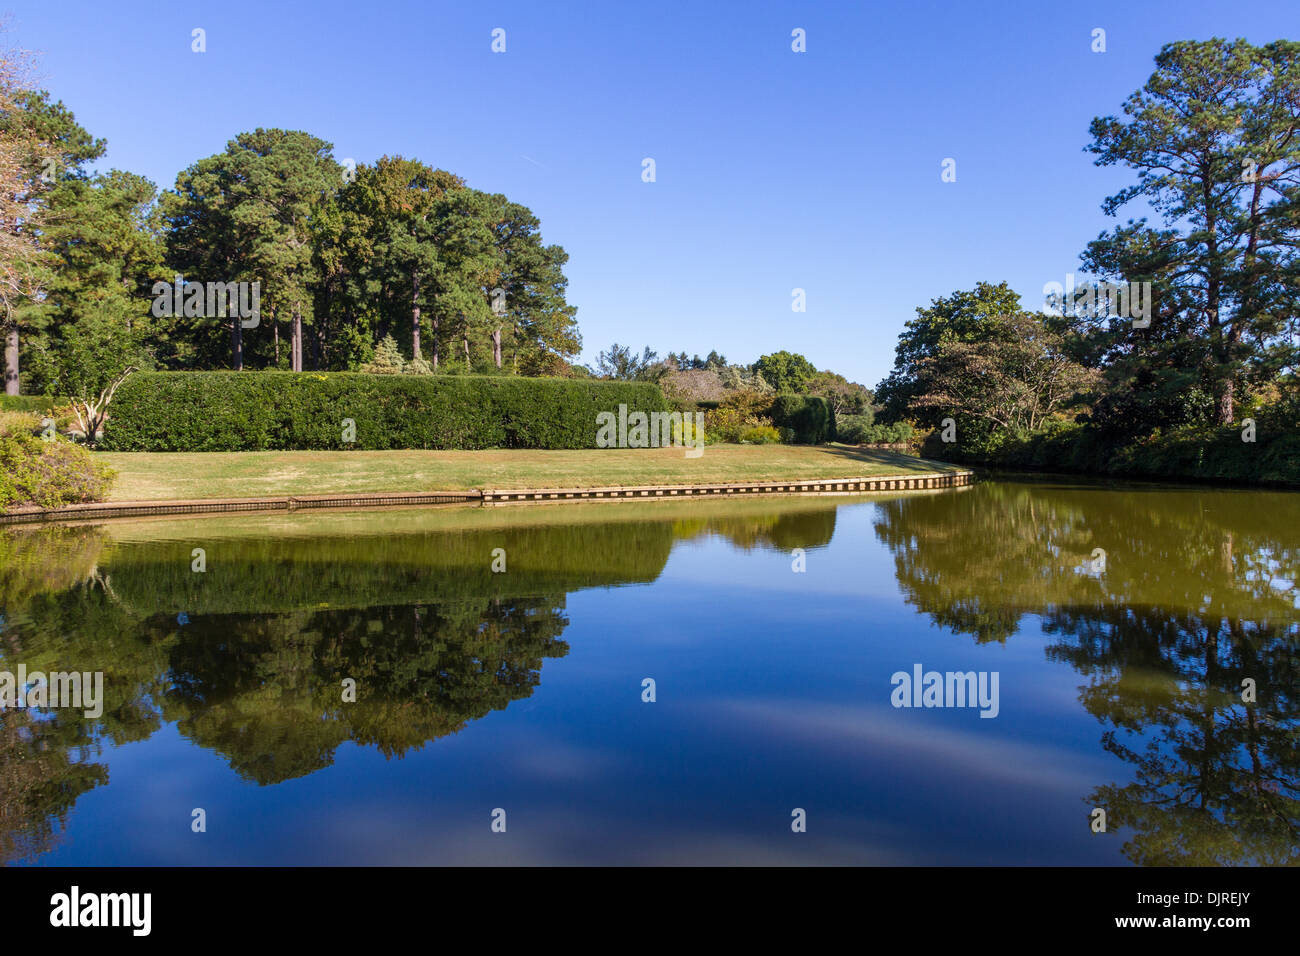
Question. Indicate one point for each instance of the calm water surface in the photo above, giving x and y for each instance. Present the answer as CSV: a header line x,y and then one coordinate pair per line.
x,y
1119,686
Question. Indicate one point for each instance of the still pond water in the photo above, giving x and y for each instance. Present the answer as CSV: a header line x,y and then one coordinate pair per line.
x,y
1119,683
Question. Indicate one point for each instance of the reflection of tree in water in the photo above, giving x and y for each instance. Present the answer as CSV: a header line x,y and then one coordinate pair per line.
x,y
432,637
1217,780
266,691
953,551
44,768
783,531
57,616
1197,595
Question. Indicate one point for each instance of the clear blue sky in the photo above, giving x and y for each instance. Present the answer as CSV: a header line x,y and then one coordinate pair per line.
x,y
776,170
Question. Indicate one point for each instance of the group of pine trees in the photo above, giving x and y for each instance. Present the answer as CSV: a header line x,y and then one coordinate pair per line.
x,y
394,263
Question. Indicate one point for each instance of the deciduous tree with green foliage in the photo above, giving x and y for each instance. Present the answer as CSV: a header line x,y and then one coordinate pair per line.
x,y
786,371
1016,375
846,398
962,316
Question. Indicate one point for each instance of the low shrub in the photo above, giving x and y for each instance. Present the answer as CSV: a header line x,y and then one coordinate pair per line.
x,y
802,419
246,411
739,412
860,430
33,422
685,432
761,435
48,473
19,421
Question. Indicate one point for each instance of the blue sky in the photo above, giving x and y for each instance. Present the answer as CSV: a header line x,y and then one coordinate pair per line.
x,y
775,170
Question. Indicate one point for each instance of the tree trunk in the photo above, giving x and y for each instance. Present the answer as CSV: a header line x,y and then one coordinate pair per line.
x,y
11,361
275,324
415,315
1212,289
295,349
236,344
434,323
496,345
1227,401
1249,306
381,332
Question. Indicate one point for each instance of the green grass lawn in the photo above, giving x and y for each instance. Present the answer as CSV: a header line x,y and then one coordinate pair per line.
x,y
164,475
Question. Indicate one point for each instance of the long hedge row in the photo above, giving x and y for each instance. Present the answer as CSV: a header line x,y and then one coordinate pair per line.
x,y
243,411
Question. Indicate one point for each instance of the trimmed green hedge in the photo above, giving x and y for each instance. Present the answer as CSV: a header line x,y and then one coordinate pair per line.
x,y
250,411
810,417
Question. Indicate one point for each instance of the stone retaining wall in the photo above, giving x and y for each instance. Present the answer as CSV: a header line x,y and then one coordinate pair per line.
x,y
828,486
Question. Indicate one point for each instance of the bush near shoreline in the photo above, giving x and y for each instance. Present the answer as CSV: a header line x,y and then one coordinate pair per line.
x,y
48,474
1200,453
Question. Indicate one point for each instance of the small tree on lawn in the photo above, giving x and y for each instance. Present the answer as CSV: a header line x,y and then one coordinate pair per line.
x,y
87,361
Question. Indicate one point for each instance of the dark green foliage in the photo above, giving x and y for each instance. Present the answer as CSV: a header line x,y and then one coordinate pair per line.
x,y
809,416
1205,453
232,411
962,317
688,407
1209,140
622,363
860,430
786,371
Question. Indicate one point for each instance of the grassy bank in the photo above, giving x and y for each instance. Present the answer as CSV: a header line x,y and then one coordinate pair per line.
x,y
163,475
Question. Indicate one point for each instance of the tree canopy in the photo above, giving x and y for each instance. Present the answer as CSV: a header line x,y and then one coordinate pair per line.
x,y
336,258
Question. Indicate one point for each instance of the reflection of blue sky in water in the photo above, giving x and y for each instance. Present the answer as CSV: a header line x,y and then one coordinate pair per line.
x,y
773,693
